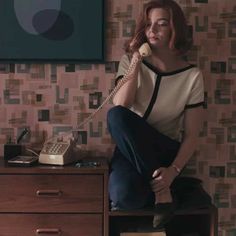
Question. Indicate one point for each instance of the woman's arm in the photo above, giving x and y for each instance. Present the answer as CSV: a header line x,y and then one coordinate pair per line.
x,y
192,125
163,177
126,94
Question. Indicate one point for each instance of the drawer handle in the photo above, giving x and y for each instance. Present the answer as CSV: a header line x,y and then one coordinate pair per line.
x,y
48,231
48,193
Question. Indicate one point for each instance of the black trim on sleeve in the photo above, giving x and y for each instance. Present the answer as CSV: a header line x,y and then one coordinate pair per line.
x,y
118,79
154,97
194,105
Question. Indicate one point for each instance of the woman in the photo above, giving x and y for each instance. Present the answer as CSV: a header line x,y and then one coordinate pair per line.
x,y
157,114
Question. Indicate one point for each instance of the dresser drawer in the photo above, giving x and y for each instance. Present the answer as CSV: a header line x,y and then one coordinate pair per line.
x,y
51,224
51,193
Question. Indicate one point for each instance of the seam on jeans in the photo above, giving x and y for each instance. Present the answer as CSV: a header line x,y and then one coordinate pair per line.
x,y
154,97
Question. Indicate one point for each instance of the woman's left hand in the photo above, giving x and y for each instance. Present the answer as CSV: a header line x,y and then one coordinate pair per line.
x,y
162,178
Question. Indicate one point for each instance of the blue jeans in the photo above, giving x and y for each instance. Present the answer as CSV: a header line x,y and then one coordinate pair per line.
x,y
140,150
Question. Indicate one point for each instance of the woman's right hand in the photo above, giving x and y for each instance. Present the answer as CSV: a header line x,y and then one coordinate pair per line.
x,y
126,94
135,63
136,56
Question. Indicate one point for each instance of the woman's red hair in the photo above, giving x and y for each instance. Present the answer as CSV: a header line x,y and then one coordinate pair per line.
x,y
179,40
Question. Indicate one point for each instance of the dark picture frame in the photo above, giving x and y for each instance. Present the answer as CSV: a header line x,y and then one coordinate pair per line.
x,y
53,31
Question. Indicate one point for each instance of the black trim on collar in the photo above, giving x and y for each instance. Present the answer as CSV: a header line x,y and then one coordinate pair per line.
x,y
154,69
194,105
154,97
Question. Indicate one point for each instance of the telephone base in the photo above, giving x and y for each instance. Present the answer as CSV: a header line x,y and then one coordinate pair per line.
x,y
56,159
58,153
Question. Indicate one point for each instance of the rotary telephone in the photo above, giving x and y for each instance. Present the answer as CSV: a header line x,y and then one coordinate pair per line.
x,y
60,152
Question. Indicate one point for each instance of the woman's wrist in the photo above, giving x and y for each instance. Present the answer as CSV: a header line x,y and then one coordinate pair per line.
x,y
176,168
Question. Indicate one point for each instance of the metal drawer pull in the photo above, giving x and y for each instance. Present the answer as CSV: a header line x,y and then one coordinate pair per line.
x,y
48,231
48,193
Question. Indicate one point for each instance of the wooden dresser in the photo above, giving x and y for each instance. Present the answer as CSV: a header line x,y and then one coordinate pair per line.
x,y
53,200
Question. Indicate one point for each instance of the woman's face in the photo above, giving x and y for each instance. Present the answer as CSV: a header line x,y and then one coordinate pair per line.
x,y
158,30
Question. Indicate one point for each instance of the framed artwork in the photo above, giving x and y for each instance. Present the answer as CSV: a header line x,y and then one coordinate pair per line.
x,y
52,30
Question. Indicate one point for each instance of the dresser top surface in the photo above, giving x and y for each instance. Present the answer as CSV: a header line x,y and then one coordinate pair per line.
x,y
55,169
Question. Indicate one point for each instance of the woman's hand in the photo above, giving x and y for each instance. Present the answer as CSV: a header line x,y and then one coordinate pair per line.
x,y
163,177
134,65
126,95
136,56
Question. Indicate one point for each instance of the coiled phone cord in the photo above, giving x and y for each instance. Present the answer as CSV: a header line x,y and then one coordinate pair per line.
x,y
114,91
144,51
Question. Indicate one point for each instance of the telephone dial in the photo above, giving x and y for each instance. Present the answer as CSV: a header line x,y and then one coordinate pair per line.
x,y
60,152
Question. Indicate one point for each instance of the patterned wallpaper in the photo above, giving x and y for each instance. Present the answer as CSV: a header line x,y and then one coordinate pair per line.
x,y
52,98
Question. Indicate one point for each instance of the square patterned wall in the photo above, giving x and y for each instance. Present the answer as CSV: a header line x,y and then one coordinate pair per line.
x,y
51,98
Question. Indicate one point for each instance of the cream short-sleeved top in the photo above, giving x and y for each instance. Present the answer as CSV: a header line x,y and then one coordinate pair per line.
x,y
161,98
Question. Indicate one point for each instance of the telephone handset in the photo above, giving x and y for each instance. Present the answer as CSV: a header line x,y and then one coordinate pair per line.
x,y
145,50
61,152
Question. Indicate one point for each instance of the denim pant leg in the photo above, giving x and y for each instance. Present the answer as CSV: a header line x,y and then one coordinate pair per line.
x,y
127,188
146,148
143,147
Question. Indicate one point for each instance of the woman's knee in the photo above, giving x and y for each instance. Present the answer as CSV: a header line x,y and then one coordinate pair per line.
x,y
116,116
116,112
